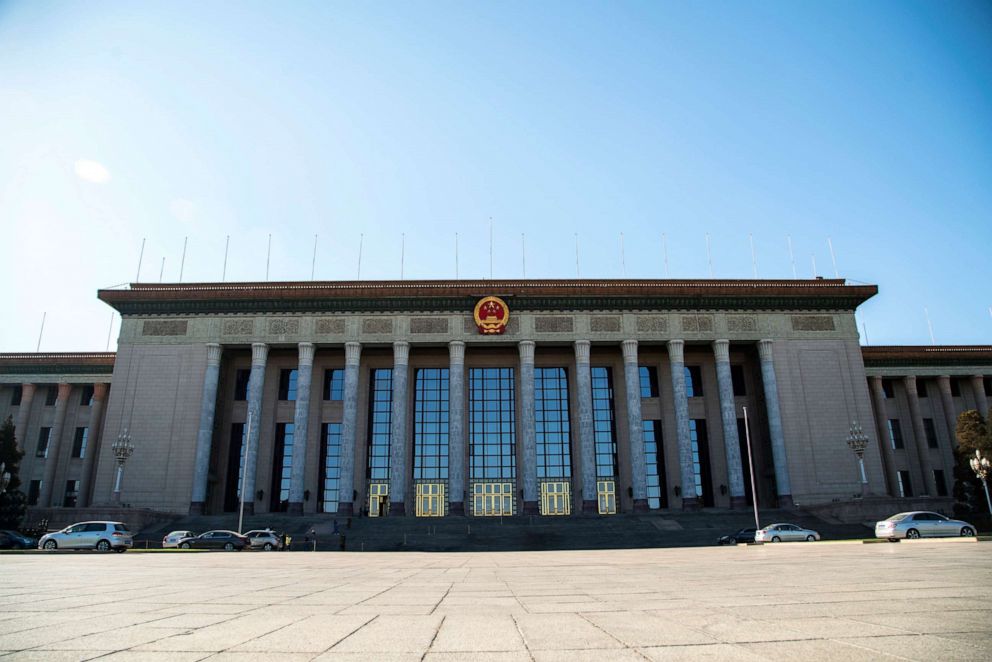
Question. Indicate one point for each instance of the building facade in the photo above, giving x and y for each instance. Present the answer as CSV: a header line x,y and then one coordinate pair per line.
x,y
486,398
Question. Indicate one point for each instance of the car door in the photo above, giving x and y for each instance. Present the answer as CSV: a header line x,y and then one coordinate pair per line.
x,y
943,527
92,534
72,537
924,523
209,540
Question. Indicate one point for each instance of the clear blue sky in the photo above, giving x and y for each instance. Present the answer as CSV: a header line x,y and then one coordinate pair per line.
x,y
866,122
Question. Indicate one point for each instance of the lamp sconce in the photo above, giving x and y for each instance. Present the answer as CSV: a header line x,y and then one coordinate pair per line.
x,y
306,495
723,490
260,494
677,490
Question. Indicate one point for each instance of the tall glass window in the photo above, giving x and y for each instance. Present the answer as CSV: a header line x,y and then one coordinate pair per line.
x,y
654,464
554,458
330,468
492,424
648,375
700,461
381,398
287,384
79,442
334,384
604,430
895,434
235,465
44,435
282,466
430,424
241,378
693,381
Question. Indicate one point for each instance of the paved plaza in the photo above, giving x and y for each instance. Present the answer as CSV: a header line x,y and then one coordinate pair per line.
x,y
921,601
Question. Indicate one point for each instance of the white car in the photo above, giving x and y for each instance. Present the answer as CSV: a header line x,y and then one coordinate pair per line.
x,y
921,524
101,536
171,541
264,539
785,533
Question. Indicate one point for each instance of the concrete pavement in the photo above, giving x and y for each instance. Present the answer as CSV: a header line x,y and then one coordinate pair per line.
x,y
920,601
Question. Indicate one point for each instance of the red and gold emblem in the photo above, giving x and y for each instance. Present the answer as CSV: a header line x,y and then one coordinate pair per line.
x,y
491,315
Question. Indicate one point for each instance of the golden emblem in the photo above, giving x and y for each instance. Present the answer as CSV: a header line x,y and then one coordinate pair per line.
x,y
491,315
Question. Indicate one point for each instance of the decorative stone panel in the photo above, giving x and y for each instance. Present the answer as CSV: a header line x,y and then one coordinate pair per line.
x,y
697,323
283,327
813,323
429,325
330,325
164,327
238,327
511,328
742,323
605,324
647,324
558,324
377,325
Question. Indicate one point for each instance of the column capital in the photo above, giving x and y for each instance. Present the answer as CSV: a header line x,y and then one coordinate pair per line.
x,y
721,350
213,353
526,349
765,349
64,390
456,352
676,351
306,353
352,353
28,388
909,380
259,353
582,351
875,379
100,391
401,352
629,348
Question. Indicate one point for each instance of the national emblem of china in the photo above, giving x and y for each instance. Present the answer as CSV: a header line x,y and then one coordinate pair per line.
x,y
491,315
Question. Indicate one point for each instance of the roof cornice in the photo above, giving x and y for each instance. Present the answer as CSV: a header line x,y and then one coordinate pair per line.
x,y
882,356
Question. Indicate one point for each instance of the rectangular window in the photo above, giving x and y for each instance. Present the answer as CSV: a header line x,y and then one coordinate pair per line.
x,y
649,381
654,464
86,397
955,387
430,425
79,442
235,466
381,398
44,435
15,399
905,487
921,388
931,432
604,429
330,468
334,384
888,389
71,494
282,467
492,426
287,384
241,378
51,395
895,434
693,381
699,442
34,492
554,458
737,379
938,479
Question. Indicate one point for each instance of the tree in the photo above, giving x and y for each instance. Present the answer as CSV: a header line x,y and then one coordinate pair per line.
x,y
973,433
13,503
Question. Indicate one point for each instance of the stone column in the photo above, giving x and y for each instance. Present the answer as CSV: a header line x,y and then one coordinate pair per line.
x,y
205,434
882,431
728,414
676,358
95,432
782,481
398,429
981,400
947,404
635,426
527,426
587,446
920,436
349,429
301,426
256,382
54,446
456,427
24,414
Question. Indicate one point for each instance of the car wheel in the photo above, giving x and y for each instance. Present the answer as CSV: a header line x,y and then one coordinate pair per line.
x,y
776,539
733,541
228,546
185,545
103,546
51,544
810,538
268,546
913,534
967,532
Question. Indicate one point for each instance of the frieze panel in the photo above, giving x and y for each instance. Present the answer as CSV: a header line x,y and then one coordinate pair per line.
x,y
512,327
742,323
330,326
697,323
164,327
652,324
429,325
282,327
558,324
813,323
377,325
238,327
605,324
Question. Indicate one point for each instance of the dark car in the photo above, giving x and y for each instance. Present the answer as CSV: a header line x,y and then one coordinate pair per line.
x,y
742,536
219,539
14,540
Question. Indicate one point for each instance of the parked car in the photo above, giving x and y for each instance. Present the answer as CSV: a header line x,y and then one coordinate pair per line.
x,y
783,532
264,539
15,540
741,536
921,524
219,539
172,540
101,536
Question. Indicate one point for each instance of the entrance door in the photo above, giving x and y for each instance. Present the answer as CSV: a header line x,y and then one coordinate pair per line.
x,y
556,498
430,499
378,499
606,493
492,499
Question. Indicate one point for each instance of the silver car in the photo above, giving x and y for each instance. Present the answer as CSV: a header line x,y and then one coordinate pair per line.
x,y
921,524
783,532
101,536
264,539
171,541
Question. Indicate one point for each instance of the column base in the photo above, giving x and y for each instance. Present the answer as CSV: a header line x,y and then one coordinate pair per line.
x,y
397,508
295,508
346,509
738,502
641,506
531,508
196,507
691,503
456,508
785,501
590,507
249,508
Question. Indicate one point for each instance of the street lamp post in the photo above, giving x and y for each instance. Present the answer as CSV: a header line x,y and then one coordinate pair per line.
x,y
750,466
857,441
980,465
122,448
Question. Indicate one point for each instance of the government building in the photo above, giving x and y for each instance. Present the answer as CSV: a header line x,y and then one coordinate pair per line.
x,y
489,398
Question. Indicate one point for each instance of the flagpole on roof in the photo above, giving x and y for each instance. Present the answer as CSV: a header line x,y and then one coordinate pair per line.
x,y
268,255
42,331
141,256
227,245
623,259
361,241
456,256
792,256
833,258
182,262
577,272
313,263
523,253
